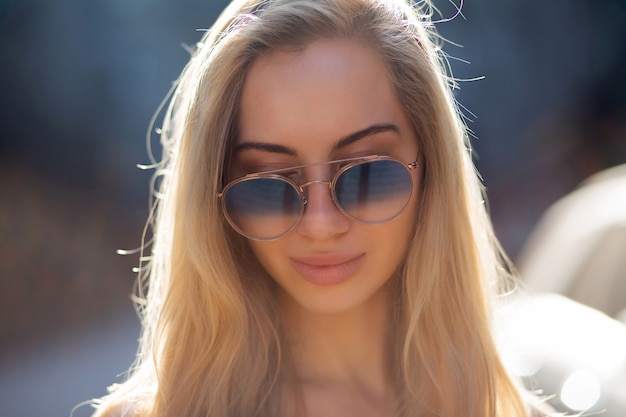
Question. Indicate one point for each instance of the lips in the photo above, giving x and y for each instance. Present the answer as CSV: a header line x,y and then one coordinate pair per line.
x,y
328,269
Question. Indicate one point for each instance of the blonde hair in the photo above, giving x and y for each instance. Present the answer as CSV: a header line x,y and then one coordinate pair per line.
x,y
211,342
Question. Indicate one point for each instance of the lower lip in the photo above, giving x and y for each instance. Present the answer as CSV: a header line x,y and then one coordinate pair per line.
x,y
328,274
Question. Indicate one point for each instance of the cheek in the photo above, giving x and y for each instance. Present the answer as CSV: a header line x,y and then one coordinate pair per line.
x,y
257,250
409,216
404,227
415,205
401,234
267,254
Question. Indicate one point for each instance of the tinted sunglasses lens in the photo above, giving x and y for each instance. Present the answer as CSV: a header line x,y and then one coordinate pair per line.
x,y
375,191
262,208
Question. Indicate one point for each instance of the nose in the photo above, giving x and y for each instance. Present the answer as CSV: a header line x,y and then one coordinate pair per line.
x,y
322,219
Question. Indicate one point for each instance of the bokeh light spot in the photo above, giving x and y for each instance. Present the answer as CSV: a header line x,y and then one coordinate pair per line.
x,y
581,390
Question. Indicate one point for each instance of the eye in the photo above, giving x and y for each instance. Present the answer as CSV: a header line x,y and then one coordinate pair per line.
x,y
340,165
294,175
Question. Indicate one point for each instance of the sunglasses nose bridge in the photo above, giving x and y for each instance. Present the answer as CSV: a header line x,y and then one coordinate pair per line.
x,y
305,195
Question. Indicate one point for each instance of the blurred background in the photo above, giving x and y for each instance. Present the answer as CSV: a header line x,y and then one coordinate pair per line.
x,y
80,81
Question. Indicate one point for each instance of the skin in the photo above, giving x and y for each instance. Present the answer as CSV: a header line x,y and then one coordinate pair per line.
x,y
317,105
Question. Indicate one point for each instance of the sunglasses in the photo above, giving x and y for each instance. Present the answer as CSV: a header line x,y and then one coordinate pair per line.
x,y
268,205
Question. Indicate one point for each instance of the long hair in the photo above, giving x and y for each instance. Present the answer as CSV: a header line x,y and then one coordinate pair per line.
x,y
211,343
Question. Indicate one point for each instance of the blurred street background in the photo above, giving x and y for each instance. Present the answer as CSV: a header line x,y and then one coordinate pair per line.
x,y
80,80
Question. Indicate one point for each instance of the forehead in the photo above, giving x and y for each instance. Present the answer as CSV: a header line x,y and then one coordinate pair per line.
x,y
308,99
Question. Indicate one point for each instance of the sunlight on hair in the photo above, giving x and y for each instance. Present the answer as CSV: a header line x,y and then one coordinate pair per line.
x,y
581,390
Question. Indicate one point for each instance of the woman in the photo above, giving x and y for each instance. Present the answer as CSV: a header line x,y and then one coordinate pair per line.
x,y
321,242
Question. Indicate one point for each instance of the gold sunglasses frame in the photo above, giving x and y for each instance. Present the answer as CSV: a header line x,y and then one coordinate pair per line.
x,y
276,174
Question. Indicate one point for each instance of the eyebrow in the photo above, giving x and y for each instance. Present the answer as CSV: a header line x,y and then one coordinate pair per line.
x,y
341,143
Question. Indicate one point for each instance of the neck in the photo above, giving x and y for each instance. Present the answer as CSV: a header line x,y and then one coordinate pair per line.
x,y
346,347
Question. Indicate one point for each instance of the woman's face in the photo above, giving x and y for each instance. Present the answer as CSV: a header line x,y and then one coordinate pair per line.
x,y
296,108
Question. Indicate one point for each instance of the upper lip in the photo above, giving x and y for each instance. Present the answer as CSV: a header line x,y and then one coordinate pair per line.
x,y
327,259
